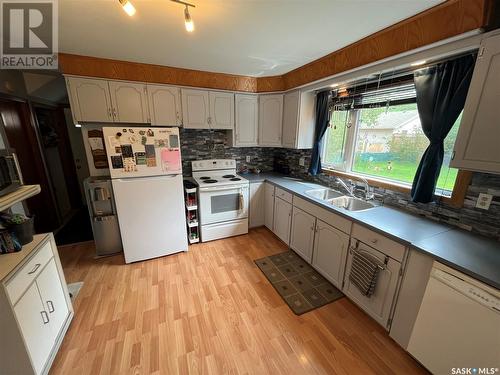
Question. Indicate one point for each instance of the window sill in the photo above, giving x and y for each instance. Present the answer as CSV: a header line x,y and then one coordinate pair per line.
x,y
455,200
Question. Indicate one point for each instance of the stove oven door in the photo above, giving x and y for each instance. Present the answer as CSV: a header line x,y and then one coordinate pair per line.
x,y
223,203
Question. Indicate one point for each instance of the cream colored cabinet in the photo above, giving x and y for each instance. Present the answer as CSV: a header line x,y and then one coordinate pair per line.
x,y
130,102
246,130
330,252
202,109
302,233
221,110
270,120
269,205
257,210
165,105
378,305
89,99
476,146
282,219
298,120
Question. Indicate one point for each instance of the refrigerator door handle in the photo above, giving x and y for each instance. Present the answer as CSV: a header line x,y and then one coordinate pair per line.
x,y
134,179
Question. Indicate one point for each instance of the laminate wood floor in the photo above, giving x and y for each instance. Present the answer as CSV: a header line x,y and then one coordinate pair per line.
x,y
211,311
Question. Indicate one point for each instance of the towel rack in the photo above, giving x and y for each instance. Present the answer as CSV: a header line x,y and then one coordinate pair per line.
x,y
355,249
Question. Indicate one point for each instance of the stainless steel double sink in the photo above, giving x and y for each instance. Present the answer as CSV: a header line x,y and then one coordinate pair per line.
x,y
340,200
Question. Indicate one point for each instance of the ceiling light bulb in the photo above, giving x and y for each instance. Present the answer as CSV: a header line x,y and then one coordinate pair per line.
x,y
127,7
417,63
188,21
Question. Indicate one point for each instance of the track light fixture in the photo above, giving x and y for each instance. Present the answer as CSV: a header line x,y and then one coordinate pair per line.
x,y
127,7
188,21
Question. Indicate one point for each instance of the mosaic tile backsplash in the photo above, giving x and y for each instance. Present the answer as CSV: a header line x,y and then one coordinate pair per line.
x,y
206,144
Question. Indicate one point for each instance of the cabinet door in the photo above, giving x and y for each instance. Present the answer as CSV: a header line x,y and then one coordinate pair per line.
x,y
270,119
268,205
302,233
247,120
476,147
90,99
53,299
130,102
282,219
290,119
195,111
221,110
330,252
257,197
379,305
33,320
165,105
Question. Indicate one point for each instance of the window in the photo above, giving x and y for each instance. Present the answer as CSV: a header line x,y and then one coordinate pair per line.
x,y
378,135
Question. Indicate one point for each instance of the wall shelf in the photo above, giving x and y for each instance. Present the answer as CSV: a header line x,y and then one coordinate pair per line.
x,y
24,192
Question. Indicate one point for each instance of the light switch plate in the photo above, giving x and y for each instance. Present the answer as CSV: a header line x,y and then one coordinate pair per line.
x,y
248,159
302,161
484,201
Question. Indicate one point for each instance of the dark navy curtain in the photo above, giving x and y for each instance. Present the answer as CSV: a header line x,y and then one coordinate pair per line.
x,y
441,92
322,121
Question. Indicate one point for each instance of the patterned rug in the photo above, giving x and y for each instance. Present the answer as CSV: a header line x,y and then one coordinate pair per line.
x,y
301,287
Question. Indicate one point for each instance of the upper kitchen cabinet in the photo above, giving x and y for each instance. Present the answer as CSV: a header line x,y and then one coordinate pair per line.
x,y
90,99
247,120
129,101
476,147
164,105
298,120
221,110
202,109
270,120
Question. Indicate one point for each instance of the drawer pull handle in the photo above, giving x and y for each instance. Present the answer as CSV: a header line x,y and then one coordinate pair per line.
x,y
51,307
37,266
45,317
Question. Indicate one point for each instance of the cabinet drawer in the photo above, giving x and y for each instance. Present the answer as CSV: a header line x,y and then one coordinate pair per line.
x,y
285,195
326,216
387,246
23,278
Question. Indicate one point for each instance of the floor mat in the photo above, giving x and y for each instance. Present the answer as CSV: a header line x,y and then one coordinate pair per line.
x,y
77,229
301,287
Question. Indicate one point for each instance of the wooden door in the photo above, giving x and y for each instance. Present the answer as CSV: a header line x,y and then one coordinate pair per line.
x,y
90,99
302,233
270,120
247,120
221,110
129,102
195,109
268,205
257,198
290,118
282,219
165,105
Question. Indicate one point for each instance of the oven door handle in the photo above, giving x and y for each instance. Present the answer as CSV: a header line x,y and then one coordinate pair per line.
x,y
221,188
242,201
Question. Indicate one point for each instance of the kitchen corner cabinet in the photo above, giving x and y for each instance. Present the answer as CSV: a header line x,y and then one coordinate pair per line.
x,y
298,120
202,109
282,219
129,102
246,129
269,205
90,99
302,233
330,252
270,120
164,105
36,309
476,146
257,198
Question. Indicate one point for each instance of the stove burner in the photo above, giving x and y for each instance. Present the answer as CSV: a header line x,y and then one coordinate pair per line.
x,y
210,181
205,178
235,179
229,176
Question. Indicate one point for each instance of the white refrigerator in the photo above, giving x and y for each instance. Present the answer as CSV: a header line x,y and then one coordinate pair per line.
x,y
146,174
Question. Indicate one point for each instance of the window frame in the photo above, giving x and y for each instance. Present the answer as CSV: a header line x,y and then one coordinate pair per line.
x,y
456,199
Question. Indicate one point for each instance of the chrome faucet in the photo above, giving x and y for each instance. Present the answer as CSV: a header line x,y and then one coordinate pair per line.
x,y
368,193
350,190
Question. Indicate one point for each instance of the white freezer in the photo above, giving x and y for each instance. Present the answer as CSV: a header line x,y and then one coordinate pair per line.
x,y
151,216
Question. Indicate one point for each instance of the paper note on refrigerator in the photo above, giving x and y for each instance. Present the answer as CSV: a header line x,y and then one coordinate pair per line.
x,y
170,160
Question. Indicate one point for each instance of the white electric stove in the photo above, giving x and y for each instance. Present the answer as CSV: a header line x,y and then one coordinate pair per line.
x,y
223,199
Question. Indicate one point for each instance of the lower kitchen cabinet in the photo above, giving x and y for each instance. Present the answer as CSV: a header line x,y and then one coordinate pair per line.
x,y
302,233
330,252
257,211
282,219
379,304
268,205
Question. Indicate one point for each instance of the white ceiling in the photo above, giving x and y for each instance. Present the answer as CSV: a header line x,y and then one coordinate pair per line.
x,y
247,37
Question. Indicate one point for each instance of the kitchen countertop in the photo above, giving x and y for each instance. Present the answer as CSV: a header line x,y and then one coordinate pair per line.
x,y
477,256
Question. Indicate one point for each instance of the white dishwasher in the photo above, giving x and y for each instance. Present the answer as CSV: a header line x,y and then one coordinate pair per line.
x,y
458,324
